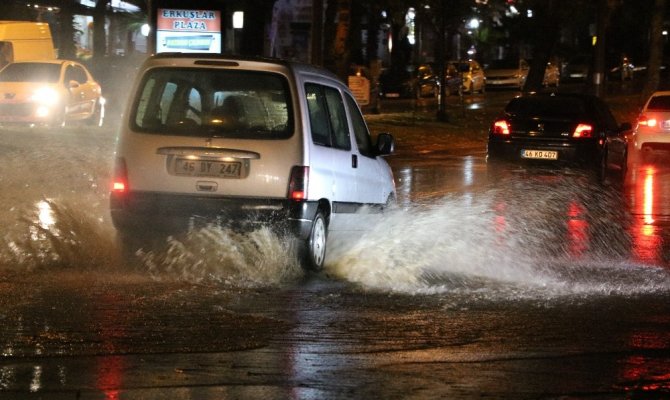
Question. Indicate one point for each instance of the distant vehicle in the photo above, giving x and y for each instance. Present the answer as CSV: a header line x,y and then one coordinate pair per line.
x,y
577,69
472,76
418,82
507,73
243,142
50,92
22,40
652,133
572,129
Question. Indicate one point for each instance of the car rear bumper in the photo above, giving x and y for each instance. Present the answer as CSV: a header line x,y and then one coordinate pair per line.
x,y
138,211
587,153
659,140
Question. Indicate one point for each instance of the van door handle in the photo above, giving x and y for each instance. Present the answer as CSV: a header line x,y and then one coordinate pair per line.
x,y
354,161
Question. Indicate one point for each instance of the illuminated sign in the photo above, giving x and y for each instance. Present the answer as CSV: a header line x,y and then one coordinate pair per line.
x,y
188,31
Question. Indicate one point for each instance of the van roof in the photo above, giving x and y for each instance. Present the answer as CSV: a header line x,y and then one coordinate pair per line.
x,y
12,30
214,59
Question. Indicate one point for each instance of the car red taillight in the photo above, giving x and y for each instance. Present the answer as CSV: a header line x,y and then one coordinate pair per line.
x,y
297,185
501,127
583,131
120,178
646,121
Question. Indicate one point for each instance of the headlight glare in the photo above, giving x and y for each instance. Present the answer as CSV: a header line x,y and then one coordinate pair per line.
x,y
45,95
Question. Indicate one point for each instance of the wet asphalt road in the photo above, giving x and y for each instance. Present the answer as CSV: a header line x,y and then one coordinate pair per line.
x,y
512,283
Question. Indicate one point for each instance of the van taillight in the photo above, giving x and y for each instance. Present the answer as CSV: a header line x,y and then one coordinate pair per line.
x,y
297,185
583,131
120,178
501,127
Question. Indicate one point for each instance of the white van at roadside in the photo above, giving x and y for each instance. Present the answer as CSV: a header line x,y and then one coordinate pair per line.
x,y
245,140
25,41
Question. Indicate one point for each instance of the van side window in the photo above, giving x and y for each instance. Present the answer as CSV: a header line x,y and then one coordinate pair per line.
x,y
360,129
327,117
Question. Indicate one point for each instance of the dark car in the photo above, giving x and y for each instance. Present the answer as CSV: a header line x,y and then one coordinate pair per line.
x,y
577,69
560,128
413,83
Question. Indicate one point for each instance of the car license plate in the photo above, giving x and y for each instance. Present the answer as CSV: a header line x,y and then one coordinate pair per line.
x,y
217,169
539,154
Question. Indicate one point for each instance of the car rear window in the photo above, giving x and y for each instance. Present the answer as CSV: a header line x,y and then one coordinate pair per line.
x,y
659,103
558,107
214,103
30,72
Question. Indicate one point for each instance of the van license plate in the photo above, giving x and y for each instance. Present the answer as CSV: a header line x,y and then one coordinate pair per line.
x,y
539,154
217,169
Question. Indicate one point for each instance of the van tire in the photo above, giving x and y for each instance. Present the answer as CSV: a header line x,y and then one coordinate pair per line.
x,y
313,250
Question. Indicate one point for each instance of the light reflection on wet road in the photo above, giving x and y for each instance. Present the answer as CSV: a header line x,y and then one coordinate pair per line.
x,y
507,282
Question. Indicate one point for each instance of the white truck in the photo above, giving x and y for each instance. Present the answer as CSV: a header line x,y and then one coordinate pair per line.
x,y
25,40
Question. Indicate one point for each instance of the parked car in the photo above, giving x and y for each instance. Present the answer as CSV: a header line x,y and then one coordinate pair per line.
x,y
577,69
472,76
572,129
652,132
243,142
417,82
507,73
50,92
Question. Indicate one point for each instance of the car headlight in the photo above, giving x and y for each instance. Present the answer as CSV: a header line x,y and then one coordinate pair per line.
x,y
45,96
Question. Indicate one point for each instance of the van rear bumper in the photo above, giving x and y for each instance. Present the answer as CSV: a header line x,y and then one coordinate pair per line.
x,y
135,212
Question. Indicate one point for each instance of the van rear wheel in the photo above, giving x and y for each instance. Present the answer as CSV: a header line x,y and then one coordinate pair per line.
x,y
313,250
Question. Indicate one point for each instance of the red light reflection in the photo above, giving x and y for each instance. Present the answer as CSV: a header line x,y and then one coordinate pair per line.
x,y
577,230
646,238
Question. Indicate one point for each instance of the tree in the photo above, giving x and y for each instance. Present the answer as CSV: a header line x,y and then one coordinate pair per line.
x,y
99,35
67,49
655,49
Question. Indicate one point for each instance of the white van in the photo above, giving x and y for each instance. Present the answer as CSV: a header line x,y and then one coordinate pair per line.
x,y
245,140
22,40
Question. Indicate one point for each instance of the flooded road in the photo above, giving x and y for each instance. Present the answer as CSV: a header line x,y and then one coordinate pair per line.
x,y
506,282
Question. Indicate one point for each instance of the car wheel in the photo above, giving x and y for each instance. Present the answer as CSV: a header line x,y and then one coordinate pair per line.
x,y
602,167
314,249
97,118
58,120
624,166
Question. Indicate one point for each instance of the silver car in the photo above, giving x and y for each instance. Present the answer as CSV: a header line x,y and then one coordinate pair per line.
x,y
242,142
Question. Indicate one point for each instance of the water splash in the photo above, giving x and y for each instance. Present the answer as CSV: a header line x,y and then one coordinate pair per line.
x,y
213,253
530,237
58,236
563,242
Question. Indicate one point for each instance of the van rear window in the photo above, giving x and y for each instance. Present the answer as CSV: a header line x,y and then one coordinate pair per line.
x,y
214,103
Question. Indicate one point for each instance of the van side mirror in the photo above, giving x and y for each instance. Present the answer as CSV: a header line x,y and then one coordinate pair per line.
x,y
385,144
72,84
